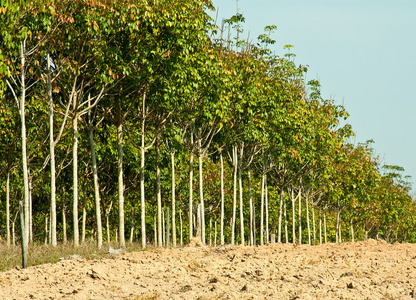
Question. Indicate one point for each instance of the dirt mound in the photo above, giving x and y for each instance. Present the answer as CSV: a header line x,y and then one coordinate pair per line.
x,y
362,270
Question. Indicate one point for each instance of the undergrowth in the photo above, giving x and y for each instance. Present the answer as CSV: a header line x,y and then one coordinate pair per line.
x,y
11,257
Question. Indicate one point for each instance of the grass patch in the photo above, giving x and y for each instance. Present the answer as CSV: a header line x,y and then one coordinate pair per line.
x,y
11,257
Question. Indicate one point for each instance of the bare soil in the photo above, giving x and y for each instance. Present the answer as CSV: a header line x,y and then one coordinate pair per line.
x,y
361,270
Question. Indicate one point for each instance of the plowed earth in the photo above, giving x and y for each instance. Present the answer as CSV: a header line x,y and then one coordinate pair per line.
x,y
361,270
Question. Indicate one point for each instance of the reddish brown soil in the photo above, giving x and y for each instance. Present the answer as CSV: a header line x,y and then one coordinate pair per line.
x,y
362,270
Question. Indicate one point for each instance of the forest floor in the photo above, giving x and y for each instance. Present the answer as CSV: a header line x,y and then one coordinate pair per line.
x,y
361,270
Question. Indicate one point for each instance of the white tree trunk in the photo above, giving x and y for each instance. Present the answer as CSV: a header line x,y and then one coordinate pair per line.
x,y
8,209
300,215
75,178
262,209
191,181
181,225
250,196
159,200
84,217
307,220
25,207
279,233
285,216
52,154
64,223
240,184
120,184
222,200
96,190
266,207
201,192
172,155
235,161
142,195
293,218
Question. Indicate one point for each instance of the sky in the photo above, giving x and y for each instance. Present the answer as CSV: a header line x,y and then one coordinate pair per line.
x,y
363,52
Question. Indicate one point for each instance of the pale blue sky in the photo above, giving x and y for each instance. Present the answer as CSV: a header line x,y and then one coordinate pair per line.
x,y
364,54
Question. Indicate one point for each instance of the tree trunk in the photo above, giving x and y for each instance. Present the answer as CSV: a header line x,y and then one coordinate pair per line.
x,y
352,231
293,218
300,215
313,225
75,178
201,192
52,154
46,229
24,236
325,227
320,226
8,209
120,183
250,197
163,237
64,222
191,181
159,199
167,228
222,200
215,235
262,208
235,161
240,184
30,209
142,195
25,208
338,228
285,215
307,220
96,189
84,216
132,229
172,155
210,231
181,225
155,229
107,217
279,232
266,207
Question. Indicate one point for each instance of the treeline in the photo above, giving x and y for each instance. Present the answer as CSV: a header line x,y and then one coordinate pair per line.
x,y
148,121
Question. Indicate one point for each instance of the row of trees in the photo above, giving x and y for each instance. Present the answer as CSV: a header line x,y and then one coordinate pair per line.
x,y
107,107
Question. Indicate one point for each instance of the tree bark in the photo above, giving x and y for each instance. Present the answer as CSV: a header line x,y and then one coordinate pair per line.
x,y
250,196
240,184
266,206
8,208
24,236
279,233
235,161
142,195
75,177
262,208
120,183
172,155
293,217
307,219
222,200
159,199
52,155
201,192
181,225
96,189
300,215
25,208
191,181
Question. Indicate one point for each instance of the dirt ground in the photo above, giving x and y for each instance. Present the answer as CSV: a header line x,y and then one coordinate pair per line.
x,y
361,270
